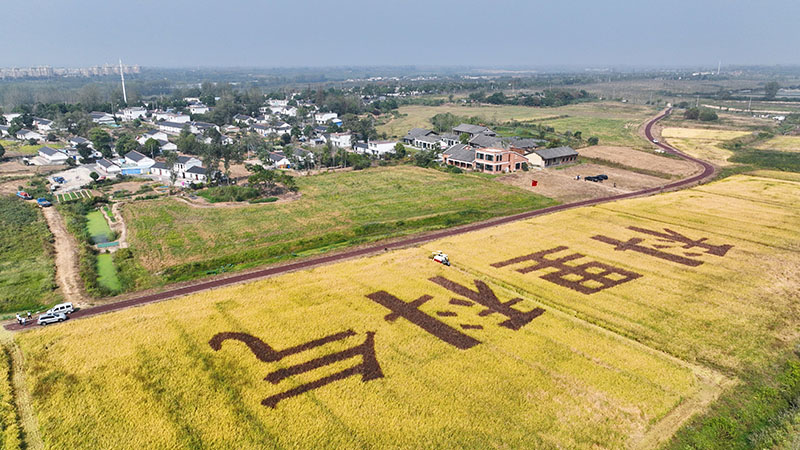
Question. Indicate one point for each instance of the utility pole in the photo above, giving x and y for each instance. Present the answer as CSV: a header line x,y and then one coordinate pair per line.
x,y
697,103
750,104
719,66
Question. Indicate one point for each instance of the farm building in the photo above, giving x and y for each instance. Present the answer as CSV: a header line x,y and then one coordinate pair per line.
x,y
108,168
472,130
102,118
51,156
550,157
460,155
25,134
136,164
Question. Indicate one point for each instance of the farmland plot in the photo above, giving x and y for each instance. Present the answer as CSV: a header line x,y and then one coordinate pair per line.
x,y
596,327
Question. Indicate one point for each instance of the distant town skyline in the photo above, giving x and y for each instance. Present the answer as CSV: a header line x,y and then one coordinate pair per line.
x,y
312,33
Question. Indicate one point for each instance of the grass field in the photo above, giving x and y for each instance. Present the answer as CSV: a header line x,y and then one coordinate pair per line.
x,y
703,143
618,362
27,272
334,210
107,272
21,148
782,143
613,123
98,227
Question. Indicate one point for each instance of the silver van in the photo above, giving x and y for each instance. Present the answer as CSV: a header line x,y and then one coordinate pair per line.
x,y
48,318
64,308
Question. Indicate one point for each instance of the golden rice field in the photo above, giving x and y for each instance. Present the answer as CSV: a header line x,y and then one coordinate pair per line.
x,y
541,335
702,143
782,143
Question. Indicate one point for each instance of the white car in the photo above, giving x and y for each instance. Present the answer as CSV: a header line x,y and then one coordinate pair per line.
x,y
48,318
65,308
655,141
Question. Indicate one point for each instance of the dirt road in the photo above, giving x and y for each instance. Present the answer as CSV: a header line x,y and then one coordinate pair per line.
x,y
705,174
66,248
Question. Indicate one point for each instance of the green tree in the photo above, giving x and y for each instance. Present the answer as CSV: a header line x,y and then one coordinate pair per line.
x,y
399,151
151,147
593,140
84,152
771,90
171,159
126,143
692,114
707,115
464,138
101,141
94,176
2,152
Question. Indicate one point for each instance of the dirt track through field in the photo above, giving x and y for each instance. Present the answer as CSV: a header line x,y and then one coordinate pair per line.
x,y
66,257
706,173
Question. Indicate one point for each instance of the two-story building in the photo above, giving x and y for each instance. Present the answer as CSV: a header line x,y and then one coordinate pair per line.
x,y
498,160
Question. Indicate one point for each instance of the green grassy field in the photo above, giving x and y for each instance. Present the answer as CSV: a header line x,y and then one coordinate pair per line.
x,y
98,227
613,123
107,272
334,210
21,148
27,272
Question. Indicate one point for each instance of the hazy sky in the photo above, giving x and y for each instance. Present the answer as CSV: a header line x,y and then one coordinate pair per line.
x,y
182,33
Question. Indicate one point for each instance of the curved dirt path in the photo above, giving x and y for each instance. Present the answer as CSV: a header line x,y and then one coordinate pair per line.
x,y
706,173
67,274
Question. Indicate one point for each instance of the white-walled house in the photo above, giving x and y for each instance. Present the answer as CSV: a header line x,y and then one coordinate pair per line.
x,y
341,140
136,163
185,162
102,118
171,127
25,134
152,134
380,148
52,156
132,113
108,168
290,111
198,108
167,146
277,102
170,116
323,118
201,127
43,124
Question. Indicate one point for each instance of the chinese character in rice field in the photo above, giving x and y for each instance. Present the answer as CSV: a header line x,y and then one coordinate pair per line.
x,y
667,240
586,278
368,368
484,296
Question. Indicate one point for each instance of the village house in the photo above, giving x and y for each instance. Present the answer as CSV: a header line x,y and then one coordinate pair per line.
x,y
380,148
472,130
273,102
198,108
26,134
428,142
279,160
107,168
169,116
152,134
341,140
136,164
132,113
43,124
50,157
165,146
201,127
172,128
243,118
550,157
289,111
159,169
195,174
460,155
498,160
323,118
102,118
185,162
77,140
4,130
415,133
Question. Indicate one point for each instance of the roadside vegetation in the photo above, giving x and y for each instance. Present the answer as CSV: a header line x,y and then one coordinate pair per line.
x,y
27,270
10,430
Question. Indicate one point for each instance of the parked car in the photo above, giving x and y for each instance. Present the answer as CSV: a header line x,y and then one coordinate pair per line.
x,y
59,180
48,318
43,202
655,141
593,179
602,177
65,308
